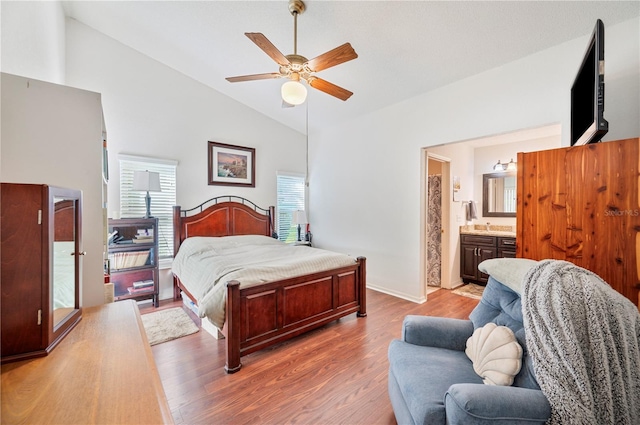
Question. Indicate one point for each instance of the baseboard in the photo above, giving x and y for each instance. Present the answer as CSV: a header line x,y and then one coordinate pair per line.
x,y
419,300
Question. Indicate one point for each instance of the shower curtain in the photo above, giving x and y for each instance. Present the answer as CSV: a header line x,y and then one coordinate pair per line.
x,y
434,230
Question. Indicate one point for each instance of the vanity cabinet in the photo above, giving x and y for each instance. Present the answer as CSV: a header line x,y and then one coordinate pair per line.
x,y
40,256
474,249
506,247
133,258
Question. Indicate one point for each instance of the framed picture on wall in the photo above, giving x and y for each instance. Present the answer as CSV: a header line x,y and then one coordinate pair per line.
x,y
231,165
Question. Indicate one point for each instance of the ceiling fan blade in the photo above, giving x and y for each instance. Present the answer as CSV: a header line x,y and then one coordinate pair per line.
x,y
253,77
329,88
333,57
268,47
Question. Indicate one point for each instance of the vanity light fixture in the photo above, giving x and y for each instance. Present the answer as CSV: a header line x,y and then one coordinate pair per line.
x,y
510,166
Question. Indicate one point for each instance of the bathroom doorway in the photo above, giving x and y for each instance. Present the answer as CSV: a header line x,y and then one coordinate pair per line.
x,y
435,212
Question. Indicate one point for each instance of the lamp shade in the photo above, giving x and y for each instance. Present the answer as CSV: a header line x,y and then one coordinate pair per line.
x,y
294,92
147,181
511,166
299,217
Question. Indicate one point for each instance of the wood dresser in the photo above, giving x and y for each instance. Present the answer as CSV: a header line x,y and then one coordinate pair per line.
x,y
102,372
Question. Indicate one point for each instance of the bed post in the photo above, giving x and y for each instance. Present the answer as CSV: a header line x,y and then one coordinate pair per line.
x,y
272,225
362,280
177,229
232,321
177,238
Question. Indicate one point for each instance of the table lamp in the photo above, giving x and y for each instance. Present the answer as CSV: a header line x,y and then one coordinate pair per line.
x,y
299,218
148,181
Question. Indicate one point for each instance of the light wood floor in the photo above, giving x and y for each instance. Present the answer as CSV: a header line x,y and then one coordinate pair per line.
x,y
334,375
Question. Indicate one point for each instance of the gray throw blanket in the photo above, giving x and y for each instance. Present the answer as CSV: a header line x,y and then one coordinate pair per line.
x,y
584,339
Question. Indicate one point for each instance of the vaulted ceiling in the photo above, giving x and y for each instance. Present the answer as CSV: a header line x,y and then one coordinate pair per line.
x,y
404,48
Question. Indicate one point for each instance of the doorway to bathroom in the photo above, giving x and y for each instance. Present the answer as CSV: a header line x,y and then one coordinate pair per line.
x,y
435,212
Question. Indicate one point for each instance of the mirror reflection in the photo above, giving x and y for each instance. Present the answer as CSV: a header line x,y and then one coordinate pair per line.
x,y
499,194
64,260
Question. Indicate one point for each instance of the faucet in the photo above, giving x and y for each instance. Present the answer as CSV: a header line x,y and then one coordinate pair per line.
x,y
488,224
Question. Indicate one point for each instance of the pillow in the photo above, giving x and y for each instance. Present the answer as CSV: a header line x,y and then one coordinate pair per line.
x,y
508,271
495,353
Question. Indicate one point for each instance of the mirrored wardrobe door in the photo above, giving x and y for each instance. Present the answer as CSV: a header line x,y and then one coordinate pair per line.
x,y
64,259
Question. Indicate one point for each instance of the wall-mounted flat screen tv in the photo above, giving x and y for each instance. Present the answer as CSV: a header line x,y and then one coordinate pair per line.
x,y
587,93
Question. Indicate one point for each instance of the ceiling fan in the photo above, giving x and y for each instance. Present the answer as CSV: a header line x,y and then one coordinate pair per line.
x,y
295,67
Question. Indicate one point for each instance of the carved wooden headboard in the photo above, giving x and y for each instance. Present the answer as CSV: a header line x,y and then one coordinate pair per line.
x,y
222,216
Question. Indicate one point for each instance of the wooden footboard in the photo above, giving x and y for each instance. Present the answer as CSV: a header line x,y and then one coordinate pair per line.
x,y
264,315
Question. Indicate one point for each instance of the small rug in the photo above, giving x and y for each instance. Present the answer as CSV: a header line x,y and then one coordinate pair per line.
x,y
165,325
470,290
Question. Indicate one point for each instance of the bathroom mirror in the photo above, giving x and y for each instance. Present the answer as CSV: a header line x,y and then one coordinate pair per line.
x,y
499,194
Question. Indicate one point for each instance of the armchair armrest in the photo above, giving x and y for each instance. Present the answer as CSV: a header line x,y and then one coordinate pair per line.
x,y
474,404
438,332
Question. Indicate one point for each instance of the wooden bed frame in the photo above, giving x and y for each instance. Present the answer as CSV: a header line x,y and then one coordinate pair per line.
x,y
263,315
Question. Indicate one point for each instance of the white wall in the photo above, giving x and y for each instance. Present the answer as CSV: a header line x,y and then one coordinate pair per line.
x,y
364,176
52,134
368,201
38,135
149,110
33,41
486,157
153,110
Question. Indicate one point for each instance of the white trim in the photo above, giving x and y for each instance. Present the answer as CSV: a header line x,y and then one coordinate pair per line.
x,y
165,263
438,157
289,174
126,157
420,300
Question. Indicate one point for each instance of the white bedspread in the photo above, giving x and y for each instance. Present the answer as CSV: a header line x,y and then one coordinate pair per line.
x,y
64,287
205,264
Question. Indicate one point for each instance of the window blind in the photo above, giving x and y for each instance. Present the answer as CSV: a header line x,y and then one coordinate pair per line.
x,y
132,202
291,197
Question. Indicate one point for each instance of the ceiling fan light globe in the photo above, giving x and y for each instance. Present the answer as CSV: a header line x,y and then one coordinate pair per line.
x,y
294,92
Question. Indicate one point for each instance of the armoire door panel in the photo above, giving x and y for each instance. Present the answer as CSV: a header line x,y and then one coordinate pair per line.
x,y
22,241
581,204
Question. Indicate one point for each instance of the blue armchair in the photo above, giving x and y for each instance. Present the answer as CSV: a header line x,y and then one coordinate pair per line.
x,y
432,381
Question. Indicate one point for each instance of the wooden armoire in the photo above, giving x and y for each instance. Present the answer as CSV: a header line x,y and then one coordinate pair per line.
x,y
581,204
40,263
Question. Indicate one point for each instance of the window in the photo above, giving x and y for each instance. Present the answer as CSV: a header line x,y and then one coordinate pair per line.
x,y
132,202
291,190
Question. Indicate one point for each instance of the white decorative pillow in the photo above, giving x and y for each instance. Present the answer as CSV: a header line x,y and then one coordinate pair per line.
x,y
495,353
